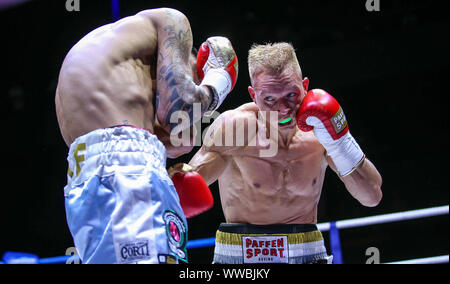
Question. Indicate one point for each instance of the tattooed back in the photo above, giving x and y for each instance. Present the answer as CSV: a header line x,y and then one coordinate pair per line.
x,y
110,76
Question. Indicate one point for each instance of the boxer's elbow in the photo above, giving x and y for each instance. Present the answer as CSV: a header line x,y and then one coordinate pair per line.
x,y
373,198
372,203
368,191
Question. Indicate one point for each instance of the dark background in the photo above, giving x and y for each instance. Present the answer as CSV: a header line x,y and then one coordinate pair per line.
x,y
388,69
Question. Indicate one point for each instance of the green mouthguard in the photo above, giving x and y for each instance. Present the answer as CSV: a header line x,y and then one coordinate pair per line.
x,y
286,121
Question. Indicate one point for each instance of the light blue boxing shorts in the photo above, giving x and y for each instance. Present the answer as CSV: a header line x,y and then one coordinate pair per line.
x,y
121,205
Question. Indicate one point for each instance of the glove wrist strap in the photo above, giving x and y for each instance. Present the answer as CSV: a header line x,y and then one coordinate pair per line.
x,y
220,81
346,154
180,168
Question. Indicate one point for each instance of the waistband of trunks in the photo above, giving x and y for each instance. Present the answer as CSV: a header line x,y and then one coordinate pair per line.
x,y
102,151
266,229
295,244
230,234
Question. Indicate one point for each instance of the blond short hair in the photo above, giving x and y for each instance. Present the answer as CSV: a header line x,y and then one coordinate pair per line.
x,y
272,58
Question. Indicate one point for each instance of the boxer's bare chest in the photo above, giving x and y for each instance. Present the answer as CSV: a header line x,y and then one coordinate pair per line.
x,y
297,165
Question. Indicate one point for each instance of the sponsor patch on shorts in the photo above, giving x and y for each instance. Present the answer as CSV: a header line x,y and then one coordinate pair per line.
x,y
176,234
266,249
132,252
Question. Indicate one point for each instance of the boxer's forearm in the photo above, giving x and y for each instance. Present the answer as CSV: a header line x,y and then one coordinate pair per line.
x,y
364,184
322,113
177,94
185,106
174,152
210,165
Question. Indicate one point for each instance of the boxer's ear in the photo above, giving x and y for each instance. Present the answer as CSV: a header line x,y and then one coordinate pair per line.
x,y
306,84
252,93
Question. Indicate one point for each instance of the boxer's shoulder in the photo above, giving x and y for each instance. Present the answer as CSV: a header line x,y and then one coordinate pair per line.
x,y
161,16
306,142
249,107
161,13
230,121
246,113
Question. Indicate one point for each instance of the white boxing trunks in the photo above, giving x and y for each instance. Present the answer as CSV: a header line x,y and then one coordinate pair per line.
x,y
121,205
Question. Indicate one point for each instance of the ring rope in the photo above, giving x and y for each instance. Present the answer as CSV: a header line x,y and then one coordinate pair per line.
x,y
344,224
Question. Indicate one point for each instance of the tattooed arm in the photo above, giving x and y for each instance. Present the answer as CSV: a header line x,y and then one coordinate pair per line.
x,y
186,141
176,89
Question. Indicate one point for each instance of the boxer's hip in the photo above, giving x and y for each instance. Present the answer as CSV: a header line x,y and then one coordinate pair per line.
x,y
294,244
121,205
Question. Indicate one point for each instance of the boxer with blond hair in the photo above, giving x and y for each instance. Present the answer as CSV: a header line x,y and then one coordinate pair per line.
x,y
270,203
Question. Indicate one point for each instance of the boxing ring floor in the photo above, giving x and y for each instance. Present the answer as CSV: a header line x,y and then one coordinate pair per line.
x,y
332,227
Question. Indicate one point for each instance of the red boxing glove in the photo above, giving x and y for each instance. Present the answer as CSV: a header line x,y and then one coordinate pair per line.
x,y
321,112
218,67
194,193
320,104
